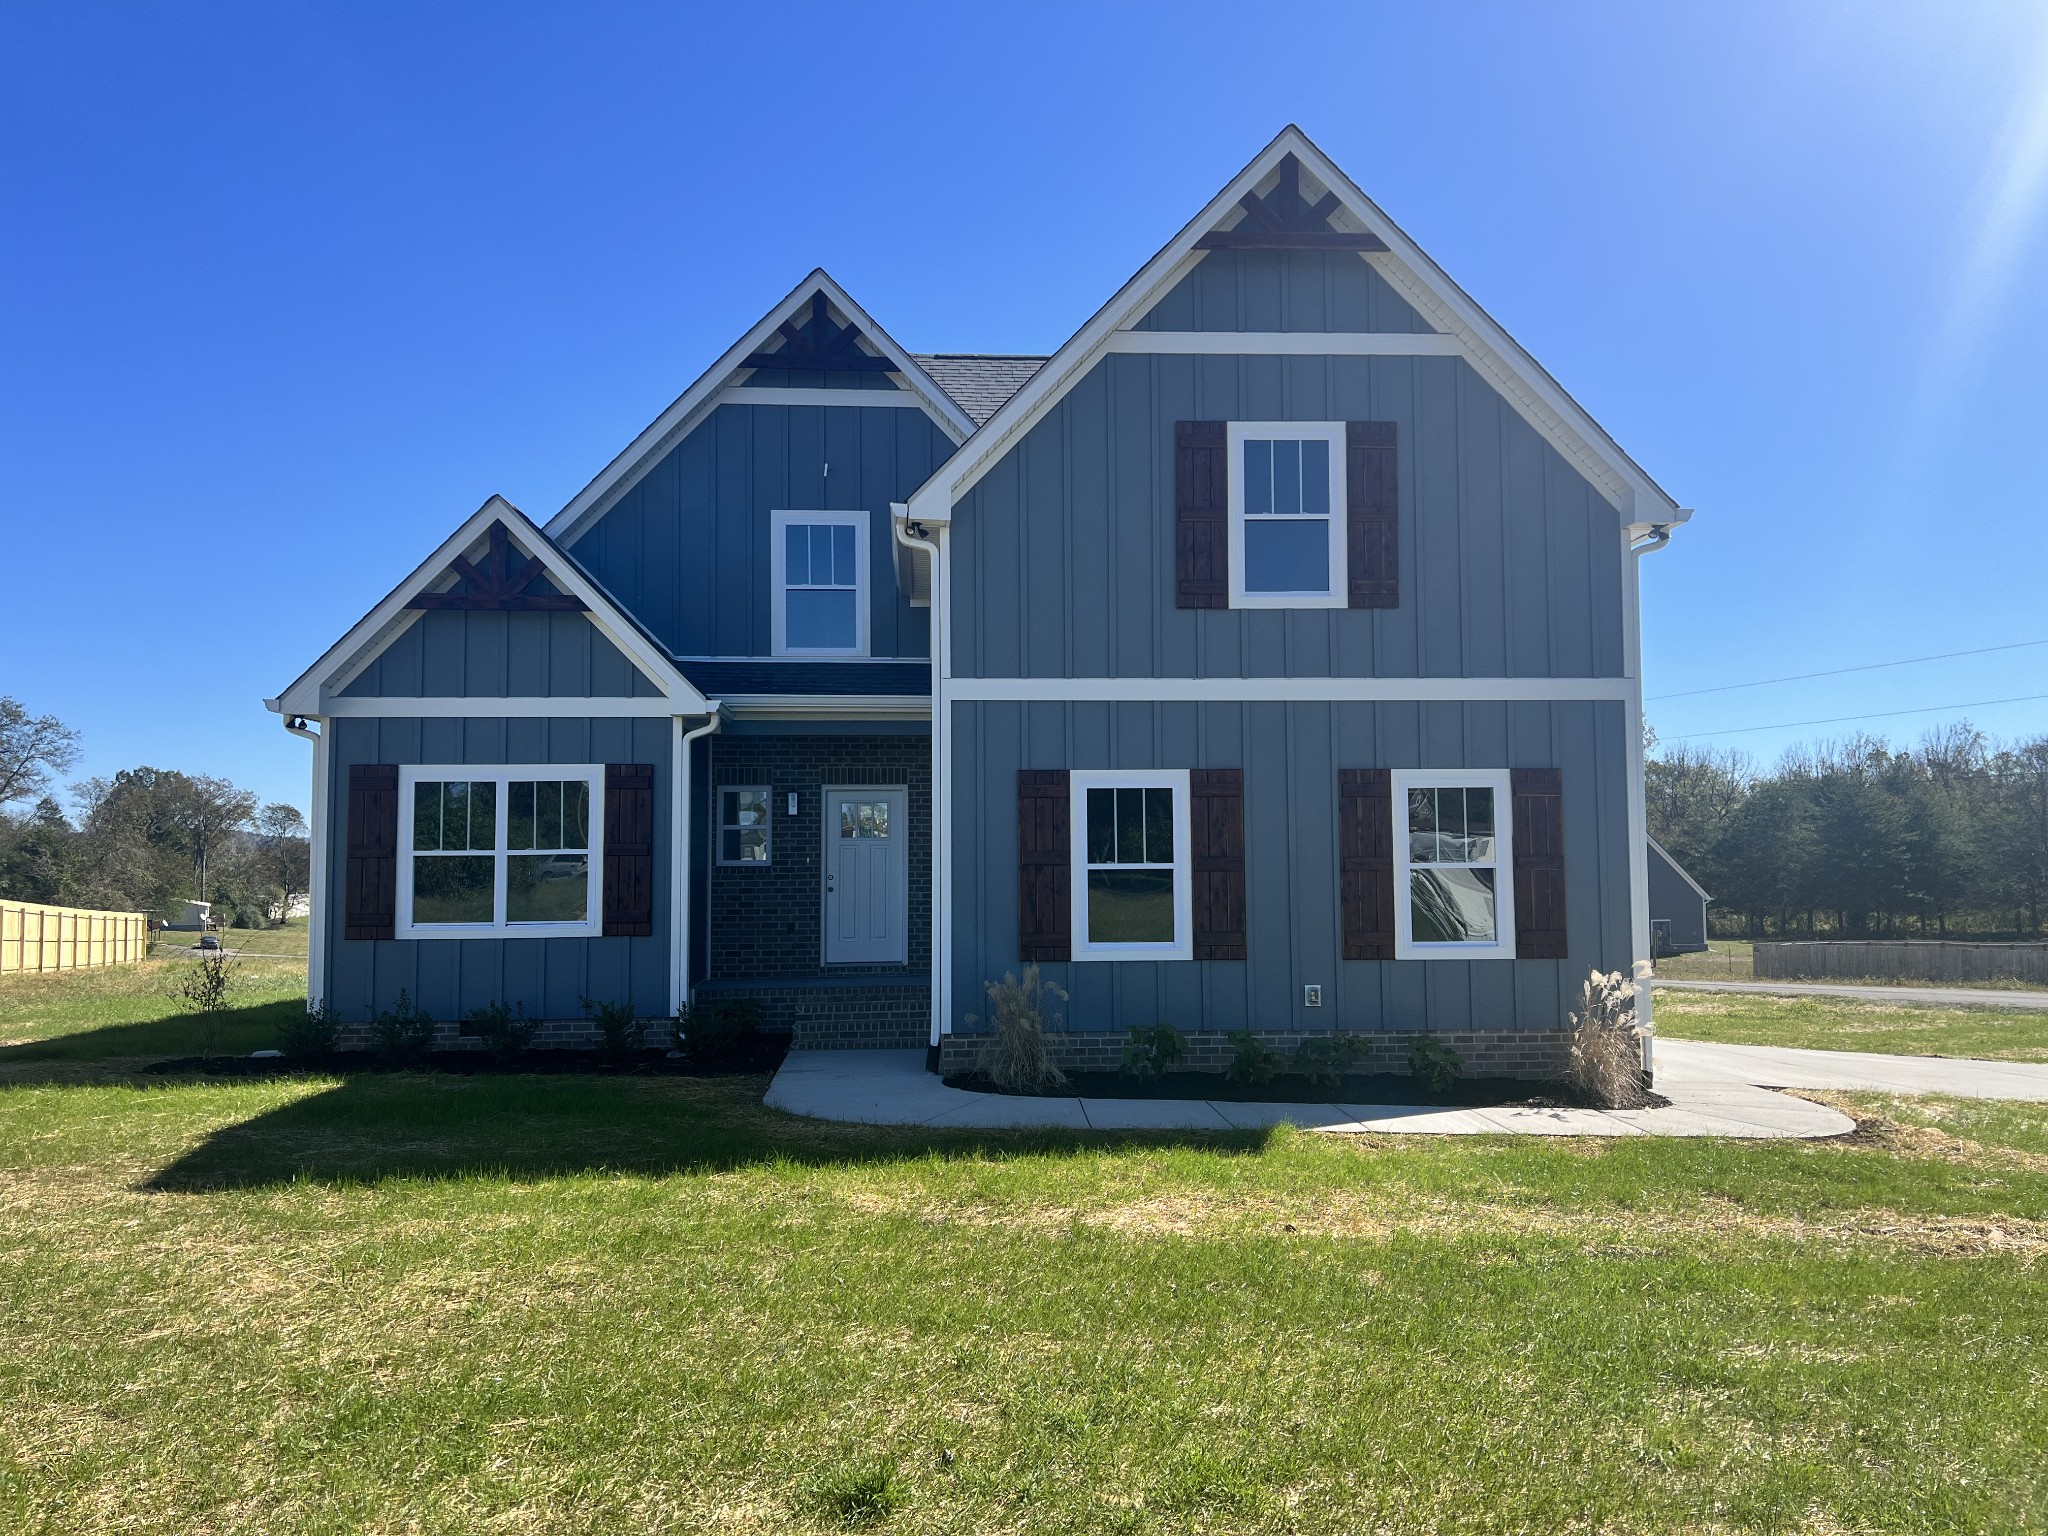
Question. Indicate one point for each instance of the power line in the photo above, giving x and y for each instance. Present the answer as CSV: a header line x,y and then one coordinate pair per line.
x,y
1875,666
1931,709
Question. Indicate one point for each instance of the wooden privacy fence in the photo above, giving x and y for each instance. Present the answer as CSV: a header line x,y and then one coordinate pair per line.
x,y
1906,960
36,940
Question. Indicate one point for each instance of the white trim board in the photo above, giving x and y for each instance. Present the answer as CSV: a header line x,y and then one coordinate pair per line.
x,y
525,708
1307,690
828,706
312,692
1426,287
696,402
1286,344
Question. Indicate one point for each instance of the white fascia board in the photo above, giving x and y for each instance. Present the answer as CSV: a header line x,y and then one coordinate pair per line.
x,y
524,707
1678,868
1306,690
702,397
316,691
828,706
1501,359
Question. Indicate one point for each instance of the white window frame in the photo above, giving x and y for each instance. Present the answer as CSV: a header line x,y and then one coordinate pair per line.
x,y
778,536
502,775
719,825
1406,947
1079,782
1332,432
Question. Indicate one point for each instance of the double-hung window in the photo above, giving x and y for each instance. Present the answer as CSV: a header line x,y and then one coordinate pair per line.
x,y
745,826
821,583
499,851
1287,515
1454,888
1132,895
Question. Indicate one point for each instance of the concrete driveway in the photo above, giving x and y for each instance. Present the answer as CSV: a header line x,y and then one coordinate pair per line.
x,y
1688,1065
1940,997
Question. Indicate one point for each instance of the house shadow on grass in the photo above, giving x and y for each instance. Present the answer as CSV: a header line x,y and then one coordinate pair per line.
x,y
395,1125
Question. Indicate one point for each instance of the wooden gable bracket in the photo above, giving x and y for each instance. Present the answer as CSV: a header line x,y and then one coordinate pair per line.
x,y
500,586
819,346
1284,220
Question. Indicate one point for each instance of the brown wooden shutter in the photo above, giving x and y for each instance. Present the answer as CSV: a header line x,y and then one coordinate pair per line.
x,y
1365,843
1216,819
1201,516
628,850
1539,864
370,888
1372,514
1045,922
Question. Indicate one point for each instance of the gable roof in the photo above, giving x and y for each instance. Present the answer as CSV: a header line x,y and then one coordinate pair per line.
x,y
1677,868
702,397
979,382
1522,381
310,692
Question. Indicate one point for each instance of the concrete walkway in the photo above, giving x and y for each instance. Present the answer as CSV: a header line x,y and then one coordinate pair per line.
x,y
1940,997
1695,1063
893,1088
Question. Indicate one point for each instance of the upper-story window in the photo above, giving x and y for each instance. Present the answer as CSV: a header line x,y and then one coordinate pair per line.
x,y
821,583
1287,514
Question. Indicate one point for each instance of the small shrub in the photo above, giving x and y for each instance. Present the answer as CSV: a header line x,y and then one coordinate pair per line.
x,y
1015,1055
505,1032
1324,1059
1606,1062
863,1495
202,990
1152,1052
719,1028
401,1033
1251,1059
1434,1064
618,1028
310,1036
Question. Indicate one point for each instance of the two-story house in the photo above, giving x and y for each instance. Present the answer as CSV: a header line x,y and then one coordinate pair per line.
x,y
1265,658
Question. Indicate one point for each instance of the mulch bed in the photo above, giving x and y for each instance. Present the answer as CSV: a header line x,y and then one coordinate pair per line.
x,y
763,1054
1289,1088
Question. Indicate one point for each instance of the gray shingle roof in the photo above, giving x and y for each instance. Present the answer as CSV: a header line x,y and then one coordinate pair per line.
x,y
978,382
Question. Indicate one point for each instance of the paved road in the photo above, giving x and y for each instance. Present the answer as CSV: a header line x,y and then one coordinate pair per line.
x,y
1940,997
1683,1065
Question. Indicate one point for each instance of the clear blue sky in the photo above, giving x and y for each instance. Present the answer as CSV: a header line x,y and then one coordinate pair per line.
x,y
288,290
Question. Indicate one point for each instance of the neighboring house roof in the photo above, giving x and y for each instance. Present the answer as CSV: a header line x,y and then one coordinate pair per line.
x,y
1499,358
979,382
1677,868
889,679
308,695
705,395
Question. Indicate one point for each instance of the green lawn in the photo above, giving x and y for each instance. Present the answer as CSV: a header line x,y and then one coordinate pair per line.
x,y
414,1303
1853,1024
286,941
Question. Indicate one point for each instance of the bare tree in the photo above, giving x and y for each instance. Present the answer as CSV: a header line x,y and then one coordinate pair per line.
x,y
32,748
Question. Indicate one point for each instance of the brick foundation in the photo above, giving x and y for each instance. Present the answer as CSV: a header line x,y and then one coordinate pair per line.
x,y
846,1016
548,1035
1531,1053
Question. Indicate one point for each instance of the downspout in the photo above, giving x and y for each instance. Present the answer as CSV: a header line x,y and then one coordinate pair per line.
x,y
682,866
918,536
1638,798
316,873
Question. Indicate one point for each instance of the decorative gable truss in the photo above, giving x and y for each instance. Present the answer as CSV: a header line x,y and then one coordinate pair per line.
x,y
1284,220
820,345
496,562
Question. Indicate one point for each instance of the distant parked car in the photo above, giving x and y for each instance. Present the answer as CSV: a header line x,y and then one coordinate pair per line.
x,y
209,941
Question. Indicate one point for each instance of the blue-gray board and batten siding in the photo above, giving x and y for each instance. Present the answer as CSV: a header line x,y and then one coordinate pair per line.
x,y
1063,554
450,977
1283,291
458,654
1291,754
687,550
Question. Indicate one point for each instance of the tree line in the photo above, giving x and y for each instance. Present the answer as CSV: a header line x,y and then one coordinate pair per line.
x,y
1858,840
144,840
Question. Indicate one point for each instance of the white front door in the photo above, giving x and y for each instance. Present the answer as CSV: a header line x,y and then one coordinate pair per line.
x,y
867,876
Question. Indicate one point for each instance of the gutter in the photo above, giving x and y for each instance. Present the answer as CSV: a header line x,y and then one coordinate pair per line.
x,y
916,535
1656,536
316,873
683,840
